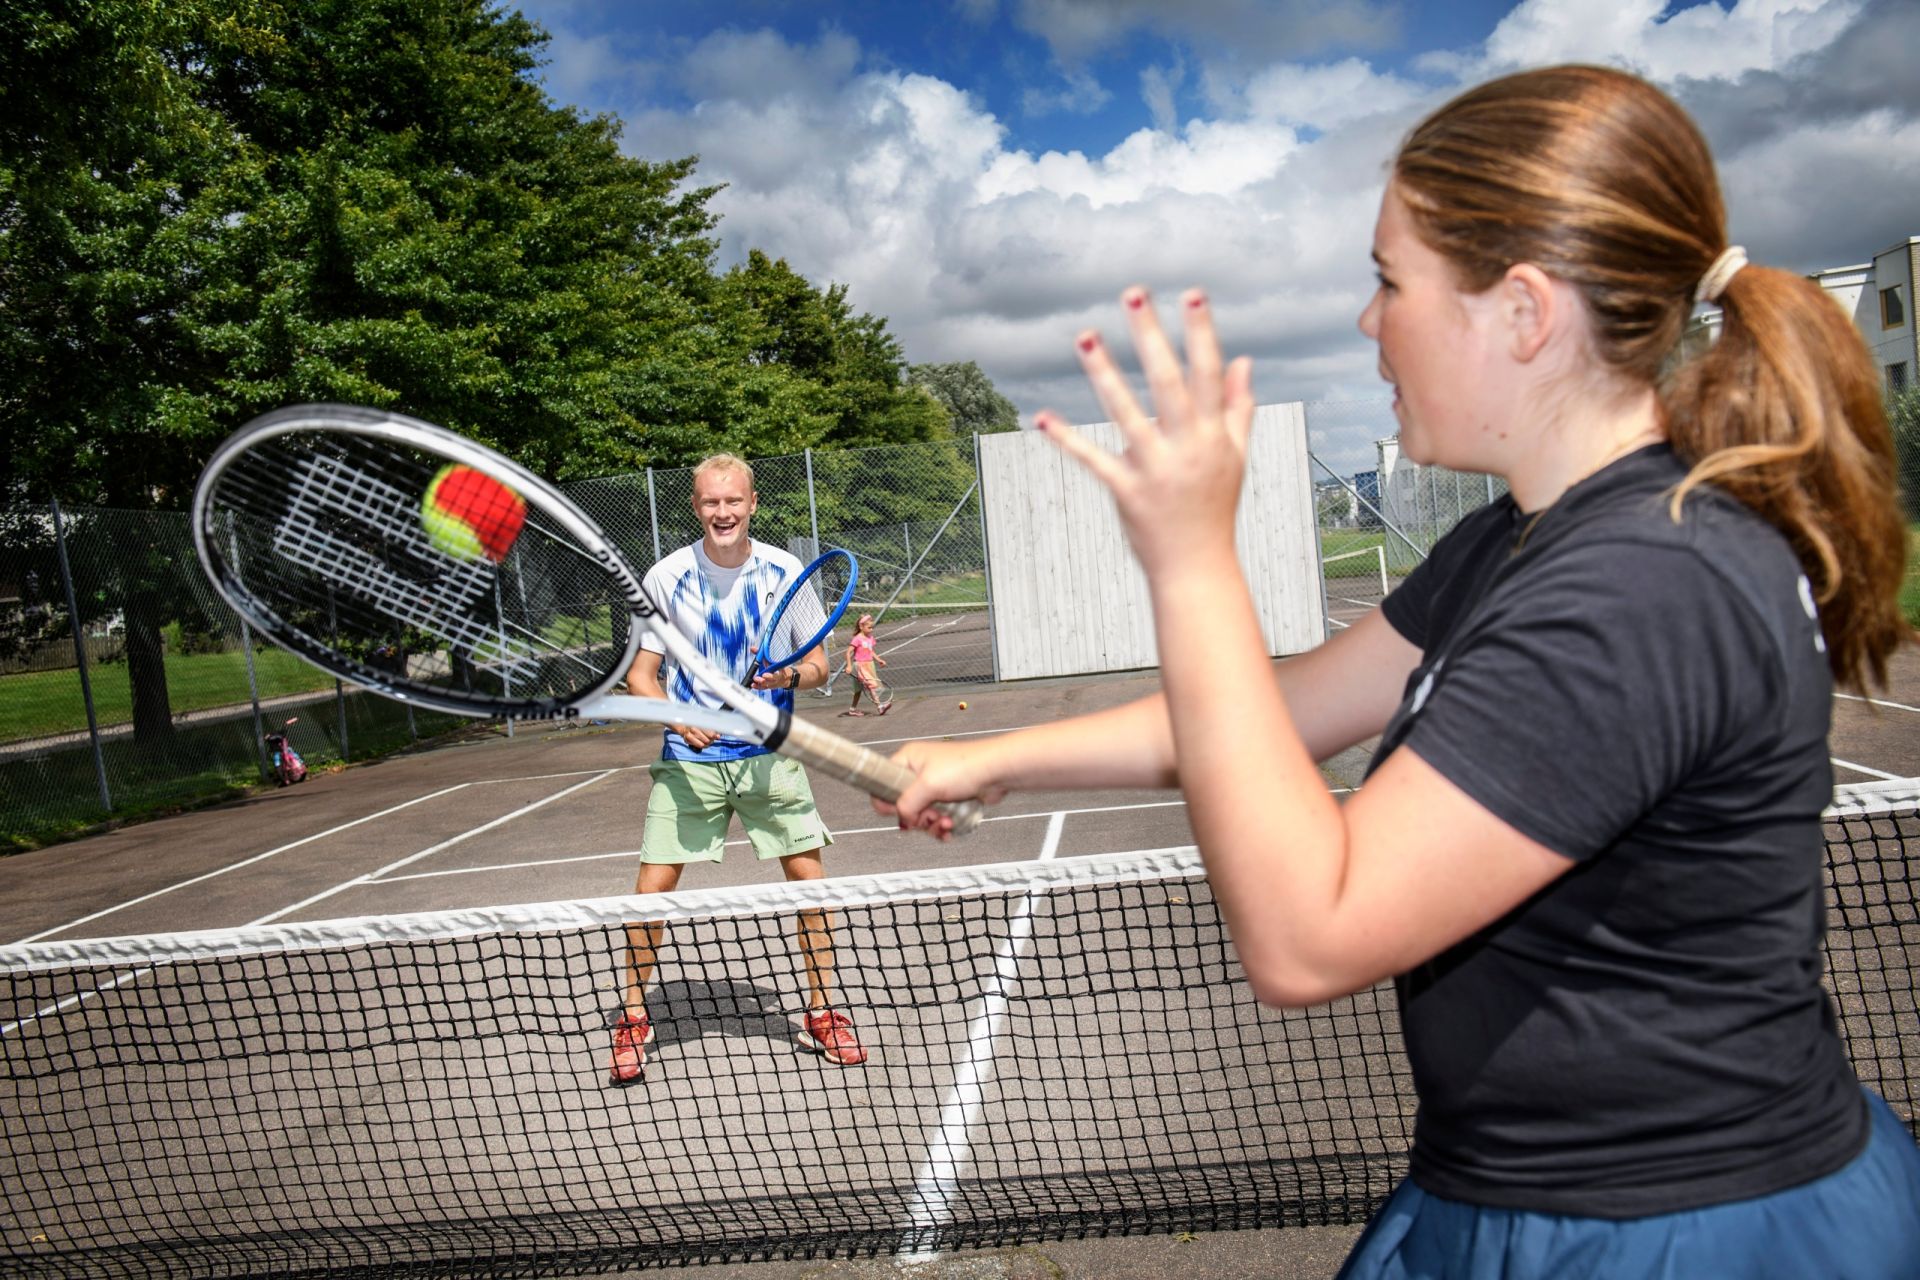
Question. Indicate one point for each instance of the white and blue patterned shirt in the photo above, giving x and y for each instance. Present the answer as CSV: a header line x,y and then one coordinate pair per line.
x,y
724,611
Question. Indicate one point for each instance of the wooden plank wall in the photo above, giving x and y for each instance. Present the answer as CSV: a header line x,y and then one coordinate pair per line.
x,y
1068,597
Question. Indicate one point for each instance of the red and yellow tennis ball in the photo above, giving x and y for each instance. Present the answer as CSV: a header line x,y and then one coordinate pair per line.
x,y
468,514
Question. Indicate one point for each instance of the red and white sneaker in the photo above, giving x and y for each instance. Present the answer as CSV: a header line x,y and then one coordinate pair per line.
x,y
831,1032
631,1036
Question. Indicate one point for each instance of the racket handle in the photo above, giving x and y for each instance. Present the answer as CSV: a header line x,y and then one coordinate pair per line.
x,y
868,770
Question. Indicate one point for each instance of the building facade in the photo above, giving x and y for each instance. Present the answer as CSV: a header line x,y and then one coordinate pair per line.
x,y
1878,296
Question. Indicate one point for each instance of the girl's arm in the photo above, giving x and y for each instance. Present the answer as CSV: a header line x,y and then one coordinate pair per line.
x,y
1321,899
1342,693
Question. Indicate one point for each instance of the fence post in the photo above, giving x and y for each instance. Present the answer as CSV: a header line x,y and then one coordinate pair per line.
x,y
986,558
253,695
80,654
906,540
653,512
506,668
813,508
253,681
339,689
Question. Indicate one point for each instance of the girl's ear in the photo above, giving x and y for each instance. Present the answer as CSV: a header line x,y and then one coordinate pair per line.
x,y
1531,308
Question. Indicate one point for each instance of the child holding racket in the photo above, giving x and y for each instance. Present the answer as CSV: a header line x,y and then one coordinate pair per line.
x,y
860,660
1589,848
715,590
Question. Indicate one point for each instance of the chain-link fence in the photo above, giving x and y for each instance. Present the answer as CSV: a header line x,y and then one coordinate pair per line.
x,y
910,514
1379,513
126,685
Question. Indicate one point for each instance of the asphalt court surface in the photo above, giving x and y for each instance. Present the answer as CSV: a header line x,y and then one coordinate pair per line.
x,y
555,813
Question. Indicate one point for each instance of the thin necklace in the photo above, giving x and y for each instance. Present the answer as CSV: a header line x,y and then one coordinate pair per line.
x,y
1641,441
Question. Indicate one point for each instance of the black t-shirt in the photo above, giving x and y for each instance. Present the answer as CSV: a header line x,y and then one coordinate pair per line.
x,y
1649,699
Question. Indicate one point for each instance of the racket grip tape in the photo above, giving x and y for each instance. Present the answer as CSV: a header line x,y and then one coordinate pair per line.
x,y
870,771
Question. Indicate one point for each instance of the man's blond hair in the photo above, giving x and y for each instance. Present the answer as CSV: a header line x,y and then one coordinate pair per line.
x,y
723,462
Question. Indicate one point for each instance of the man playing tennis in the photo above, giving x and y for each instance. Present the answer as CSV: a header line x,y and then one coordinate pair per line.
x,y
718,591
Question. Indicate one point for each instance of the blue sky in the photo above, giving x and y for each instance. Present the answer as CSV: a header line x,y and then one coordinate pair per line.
x,y
988,174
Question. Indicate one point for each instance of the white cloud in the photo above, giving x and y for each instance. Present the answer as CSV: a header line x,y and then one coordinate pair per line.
x,y
1316,97
1268,29
1080,93
1701,42
905,188
1159,87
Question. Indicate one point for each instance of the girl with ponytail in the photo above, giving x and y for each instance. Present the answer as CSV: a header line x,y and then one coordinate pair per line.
x,y
1589,848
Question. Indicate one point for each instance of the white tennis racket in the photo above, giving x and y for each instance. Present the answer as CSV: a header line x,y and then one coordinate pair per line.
x,y
427,568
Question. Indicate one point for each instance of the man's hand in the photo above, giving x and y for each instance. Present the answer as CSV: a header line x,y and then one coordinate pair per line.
x,y
698,739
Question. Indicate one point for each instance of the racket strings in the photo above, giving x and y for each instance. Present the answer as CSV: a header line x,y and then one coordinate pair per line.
x,y
326,535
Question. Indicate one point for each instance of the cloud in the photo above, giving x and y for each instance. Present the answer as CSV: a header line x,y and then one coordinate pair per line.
x,y
1081,93
1260,29
1701,42
906,188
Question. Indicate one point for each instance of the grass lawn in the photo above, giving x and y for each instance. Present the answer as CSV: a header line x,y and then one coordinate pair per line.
x,y
1334,542
960,591
35,704
1910,589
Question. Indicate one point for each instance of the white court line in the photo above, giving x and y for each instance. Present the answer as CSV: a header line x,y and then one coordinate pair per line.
x,y
373,876
550,777
122,979
245,862
1860,768
948,1150
742,841
1878,702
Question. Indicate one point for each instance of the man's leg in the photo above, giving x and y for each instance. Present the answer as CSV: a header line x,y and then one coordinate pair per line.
x,y
643,940
634,1031
827,1029
815,931
686,821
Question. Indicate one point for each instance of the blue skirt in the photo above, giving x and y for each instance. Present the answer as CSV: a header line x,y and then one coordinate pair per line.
x,y
1861,1222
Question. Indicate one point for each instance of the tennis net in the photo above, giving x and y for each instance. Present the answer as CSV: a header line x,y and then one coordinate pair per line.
x,y
1058,1048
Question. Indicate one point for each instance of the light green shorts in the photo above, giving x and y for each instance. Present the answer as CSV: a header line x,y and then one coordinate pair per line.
x,y
692,802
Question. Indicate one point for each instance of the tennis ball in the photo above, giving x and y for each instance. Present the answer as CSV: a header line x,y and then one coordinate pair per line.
x,y
963,706
468,514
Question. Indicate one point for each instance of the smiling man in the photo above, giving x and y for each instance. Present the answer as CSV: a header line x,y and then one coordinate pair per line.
x,y
719,591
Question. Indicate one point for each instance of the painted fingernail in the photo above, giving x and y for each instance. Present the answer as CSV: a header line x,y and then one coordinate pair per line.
x,y
1088,342
1136,299
1041,422
1196,299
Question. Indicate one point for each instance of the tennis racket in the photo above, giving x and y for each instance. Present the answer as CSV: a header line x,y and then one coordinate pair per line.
x,y
429,569
802,613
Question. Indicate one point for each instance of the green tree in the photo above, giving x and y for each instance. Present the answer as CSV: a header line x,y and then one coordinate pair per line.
x,y
973,404
208,212
846,373
1903,415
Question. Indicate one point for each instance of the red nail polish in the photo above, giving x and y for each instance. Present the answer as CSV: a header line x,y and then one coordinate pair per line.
x,y
1135,301
1040,422
1089,342
1196,301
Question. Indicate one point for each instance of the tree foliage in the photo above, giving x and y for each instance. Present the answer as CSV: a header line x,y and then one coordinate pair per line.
x,y
973,404
1903,416
211,208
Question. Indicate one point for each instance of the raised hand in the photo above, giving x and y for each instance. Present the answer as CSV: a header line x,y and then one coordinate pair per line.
x,y
1178,480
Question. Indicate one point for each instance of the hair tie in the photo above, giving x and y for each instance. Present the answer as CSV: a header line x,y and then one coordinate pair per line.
x,y
1720,274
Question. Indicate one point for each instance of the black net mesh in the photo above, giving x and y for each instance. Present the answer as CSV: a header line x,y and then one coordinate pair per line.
x,y
1056,1049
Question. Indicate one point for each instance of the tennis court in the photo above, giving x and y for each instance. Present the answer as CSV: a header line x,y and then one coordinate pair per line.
x,y
1060,1045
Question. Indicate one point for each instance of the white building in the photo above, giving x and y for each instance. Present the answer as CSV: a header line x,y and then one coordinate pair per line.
x,y
1878,296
